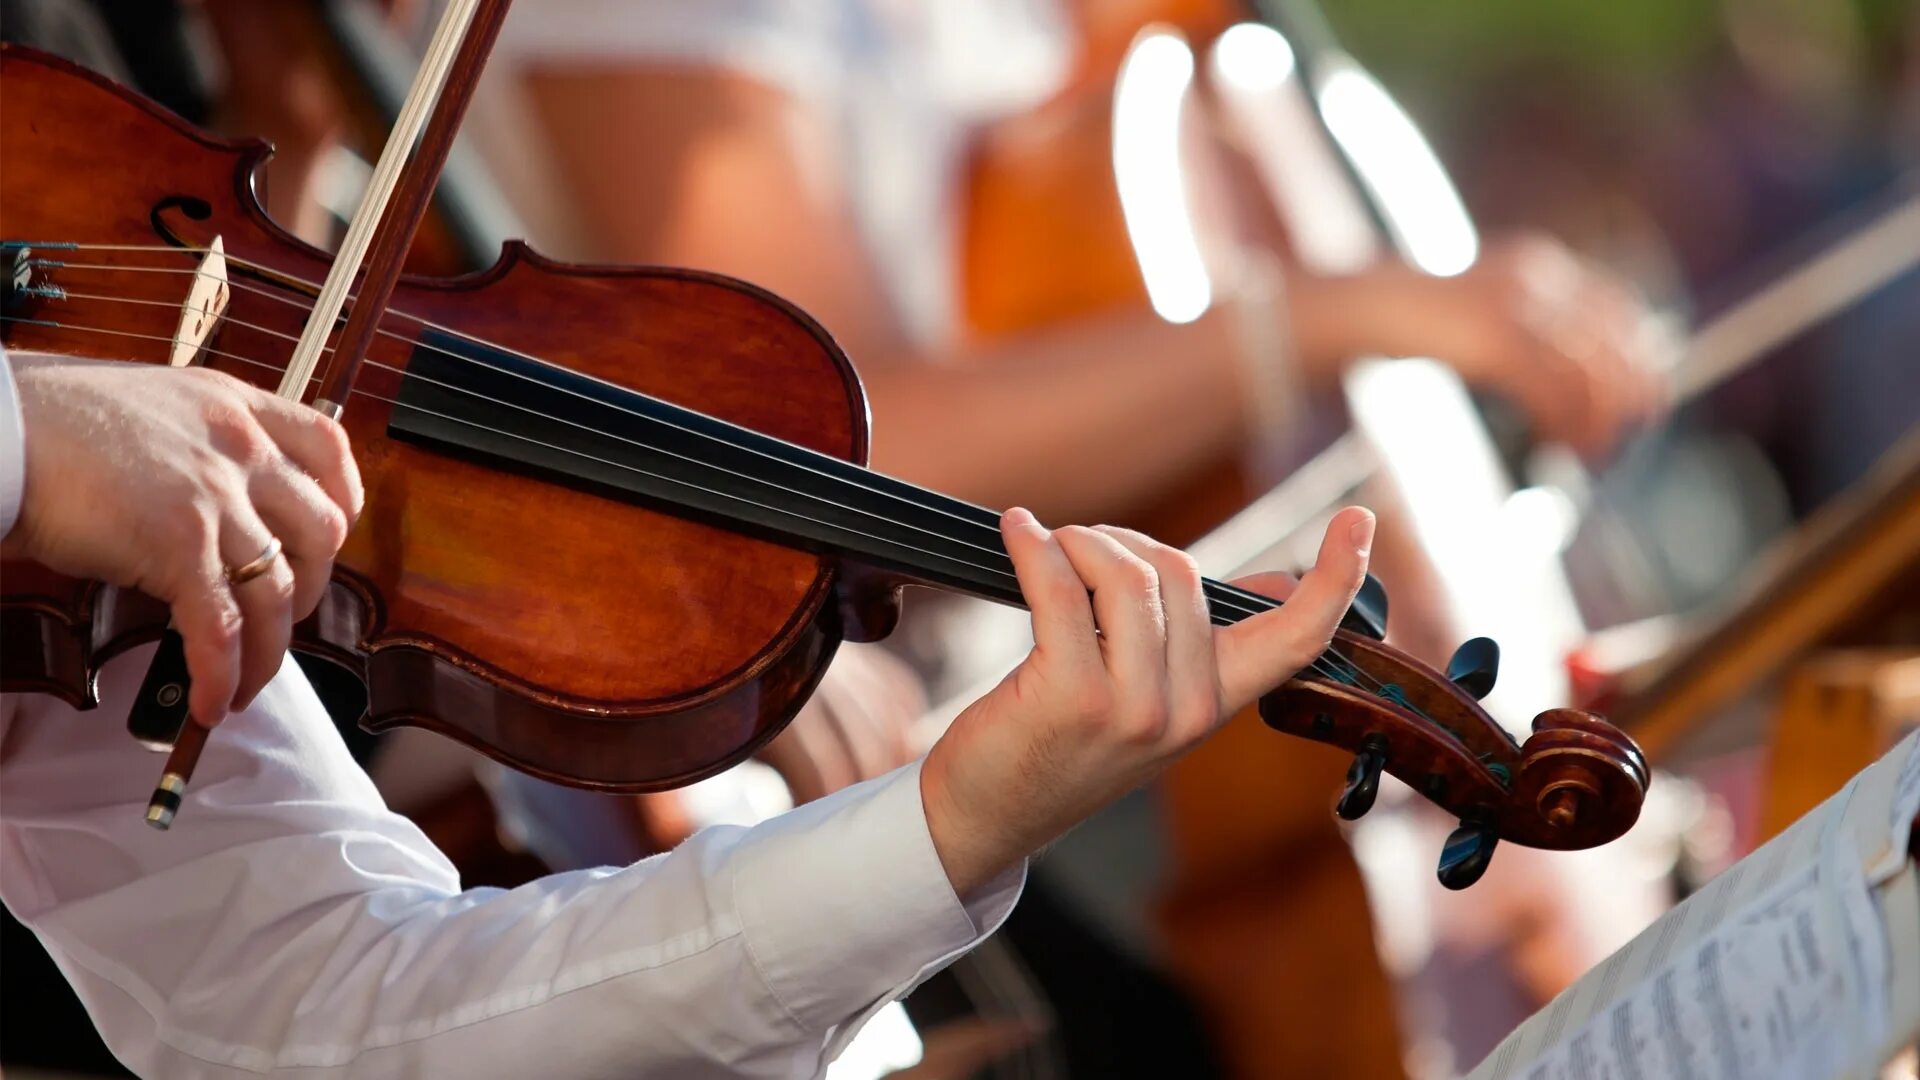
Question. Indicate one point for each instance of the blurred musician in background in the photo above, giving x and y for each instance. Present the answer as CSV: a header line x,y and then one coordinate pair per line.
x,y
815,148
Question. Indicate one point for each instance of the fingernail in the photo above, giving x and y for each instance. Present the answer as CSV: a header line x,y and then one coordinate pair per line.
x,y
1362,534
1020,517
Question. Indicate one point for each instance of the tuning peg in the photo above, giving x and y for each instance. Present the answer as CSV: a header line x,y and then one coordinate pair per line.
x,y
1367,615
1469,849
1363,779
1475,665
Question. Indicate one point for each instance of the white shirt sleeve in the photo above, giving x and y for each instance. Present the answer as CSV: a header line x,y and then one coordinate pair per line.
x,y
13,448
290,921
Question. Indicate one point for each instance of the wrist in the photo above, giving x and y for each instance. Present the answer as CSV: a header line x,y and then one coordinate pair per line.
x,y
1385,309
970,848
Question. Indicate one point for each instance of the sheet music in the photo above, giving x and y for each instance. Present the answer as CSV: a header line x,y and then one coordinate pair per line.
x,y
1801,962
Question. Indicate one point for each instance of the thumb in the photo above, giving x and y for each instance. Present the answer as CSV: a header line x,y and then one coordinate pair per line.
x,y
1260,653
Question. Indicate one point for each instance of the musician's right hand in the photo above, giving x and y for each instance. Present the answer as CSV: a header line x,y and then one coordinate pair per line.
x,y
164,480
1127,673
1571,343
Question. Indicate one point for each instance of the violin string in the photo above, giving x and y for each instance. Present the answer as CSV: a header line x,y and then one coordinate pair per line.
x,y
575,424
1330,665
227,319
162,338
1222,598
1219,598
987,521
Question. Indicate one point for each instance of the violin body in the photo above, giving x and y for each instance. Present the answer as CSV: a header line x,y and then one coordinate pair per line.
x,y
665,649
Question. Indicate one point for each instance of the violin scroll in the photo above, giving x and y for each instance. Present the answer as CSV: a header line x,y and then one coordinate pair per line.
x,y
1575,766
1577,781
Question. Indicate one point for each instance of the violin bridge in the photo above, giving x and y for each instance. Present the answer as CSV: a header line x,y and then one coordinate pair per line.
x,y
19,274
205,304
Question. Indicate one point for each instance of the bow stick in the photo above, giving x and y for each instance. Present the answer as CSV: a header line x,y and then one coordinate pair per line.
x,y
431,117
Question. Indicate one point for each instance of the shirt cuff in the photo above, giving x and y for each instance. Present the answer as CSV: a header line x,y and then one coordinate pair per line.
x,y
13,448
845,904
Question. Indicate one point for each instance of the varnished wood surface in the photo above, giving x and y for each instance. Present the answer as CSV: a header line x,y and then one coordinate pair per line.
x,y
1445,747
573,636
1839,711
647,632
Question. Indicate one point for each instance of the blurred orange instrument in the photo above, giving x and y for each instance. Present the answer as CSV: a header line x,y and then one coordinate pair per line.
x,y
1265,918
1045,237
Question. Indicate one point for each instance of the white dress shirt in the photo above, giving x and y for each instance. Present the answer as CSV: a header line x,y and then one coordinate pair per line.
x,y
290,921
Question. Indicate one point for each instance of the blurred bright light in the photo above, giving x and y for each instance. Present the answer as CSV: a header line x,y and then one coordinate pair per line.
x,y
1395,162
1146,164
1501,583
1542,519
746,794
887,1044
1393,849
1253,57
1415,412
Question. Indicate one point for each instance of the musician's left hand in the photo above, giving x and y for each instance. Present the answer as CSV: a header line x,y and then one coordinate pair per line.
x,y
1127,673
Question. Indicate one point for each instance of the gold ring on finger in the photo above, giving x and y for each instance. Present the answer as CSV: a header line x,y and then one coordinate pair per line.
x,y
240,575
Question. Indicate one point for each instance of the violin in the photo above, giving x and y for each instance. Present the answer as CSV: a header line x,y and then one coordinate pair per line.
x,y
617,518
